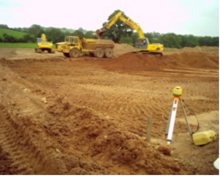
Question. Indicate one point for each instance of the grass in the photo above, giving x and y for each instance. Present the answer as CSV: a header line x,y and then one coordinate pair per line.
x,y
18,45
17,35
13,33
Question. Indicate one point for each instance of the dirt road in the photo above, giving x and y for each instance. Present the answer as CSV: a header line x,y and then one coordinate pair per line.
x,y
91,116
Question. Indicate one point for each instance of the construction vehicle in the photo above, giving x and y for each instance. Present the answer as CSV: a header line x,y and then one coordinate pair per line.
x,y
44,45
142,42
75,46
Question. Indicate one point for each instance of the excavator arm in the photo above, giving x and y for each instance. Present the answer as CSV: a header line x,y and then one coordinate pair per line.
x,y
108,25
133,25
120,16
142,42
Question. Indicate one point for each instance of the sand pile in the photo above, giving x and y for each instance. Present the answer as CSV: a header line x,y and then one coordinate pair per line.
x,y
120,49
194,59
146,62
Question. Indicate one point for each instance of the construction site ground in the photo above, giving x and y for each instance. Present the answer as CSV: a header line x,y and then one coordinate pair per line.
x,y
106,116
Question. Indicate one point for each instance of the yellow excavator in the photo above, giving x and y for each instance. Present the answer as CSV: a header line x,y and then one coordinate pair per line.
x,y
142,42
44,45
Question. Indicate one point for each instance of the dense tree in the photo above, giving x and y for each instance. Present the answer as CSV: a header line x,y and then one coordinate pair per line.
x,y
36,30
54,34
90,34
9,38
78,32
4,26
208,41
28,38
119,33
171,40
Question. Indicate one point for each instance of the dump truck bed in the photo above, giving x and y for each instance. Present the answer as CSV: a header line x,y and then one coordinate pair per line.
x,y
92,44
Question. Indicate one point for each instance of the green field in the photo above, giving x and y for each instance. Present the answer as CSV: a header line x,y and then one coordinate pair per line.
x,y
18,45
13,33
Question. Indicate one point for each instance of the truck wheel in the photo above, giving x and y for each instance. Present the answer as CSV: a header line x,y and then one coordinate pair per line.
x,y
75,53
66,54
99,52
108,52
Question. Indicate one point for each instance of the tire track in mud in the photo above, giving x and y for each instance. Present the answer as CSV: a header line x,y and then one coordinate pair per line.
x,y
27,147
10,143
132,99
21,130
5,163
131,103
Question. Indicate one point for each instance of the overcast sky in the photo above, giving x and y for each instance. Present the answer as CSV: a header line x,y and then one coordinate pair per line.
x,y
197,17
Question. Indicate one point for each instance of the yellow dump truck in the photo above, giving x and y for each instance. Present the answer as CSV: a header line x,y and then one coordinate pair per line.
x,y
75,46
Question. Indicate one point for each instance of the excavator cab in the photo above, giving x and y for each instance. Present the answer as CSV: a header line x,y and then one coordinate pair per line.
x,y
72,40
141,43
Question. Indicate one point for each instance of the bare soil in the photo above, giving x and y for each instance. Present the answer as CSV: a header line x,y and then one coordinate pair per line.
x,y
106,116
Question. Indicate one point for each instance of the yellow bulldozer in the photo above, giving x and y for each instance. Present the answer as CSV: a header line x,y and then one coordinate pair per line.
x,y
44,45
142,42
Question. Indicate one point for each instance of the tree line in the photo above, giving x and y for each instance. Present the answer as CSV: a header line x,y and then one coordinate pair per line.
x,y
119,34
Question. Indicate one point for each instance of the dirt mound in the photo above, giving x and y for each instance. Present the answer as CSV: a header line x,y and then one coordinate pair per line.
x,y
134,62
208,49
104,142
144,62
205,49
120,49
194,59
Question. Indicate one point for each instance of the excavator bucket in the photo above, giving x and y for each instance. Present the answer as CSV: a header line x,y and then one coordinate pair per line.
x,y
100,32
